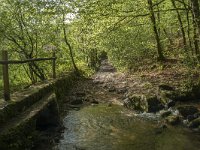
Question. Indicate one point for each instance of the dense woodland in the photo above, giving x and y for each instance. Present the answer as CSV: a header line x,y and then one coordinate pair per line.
x,y
131,32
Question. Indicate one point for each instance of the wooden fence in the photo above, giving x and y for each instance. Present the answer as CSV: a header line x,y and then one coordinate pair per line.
x,y
5,63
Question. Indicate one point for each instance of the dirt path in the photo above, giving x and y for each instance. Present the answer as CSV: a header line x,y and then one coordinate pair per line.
x,y
100,88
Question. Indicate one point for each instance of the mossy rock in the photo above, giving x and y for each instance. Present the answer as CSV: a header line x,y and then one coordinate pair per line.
x,y
165,94
186,92
165,114
187,110
154,104
173,120
195,123
143,103
133,102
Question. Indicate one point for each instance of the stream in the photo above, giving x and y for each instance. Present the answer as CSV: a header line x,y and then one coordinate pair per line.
x,y
103,127
105,124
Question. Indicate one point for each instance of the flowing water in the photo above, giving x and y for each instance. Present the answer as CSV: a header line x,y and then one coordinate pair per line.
x,y
103,127
113,127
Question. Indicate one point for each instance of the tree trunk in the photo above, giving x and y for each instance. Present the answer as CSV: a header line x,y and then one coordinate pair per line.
x,y
196,44
153,20
34,68
69,46
70,50
158,16
196,25
188,22
180,24
196,13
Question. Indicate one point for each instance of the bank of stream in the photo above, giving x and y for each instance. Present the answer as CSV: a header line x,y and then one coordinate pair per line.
x,y
94,118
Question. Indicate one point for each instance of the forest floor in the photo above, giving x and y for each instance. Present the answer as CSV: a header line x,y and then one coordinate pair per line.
x,y
115,88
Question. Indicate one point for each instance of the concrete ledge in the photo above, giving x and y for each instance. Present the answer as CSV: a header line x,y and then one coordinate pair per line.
x,y
22,100
19,132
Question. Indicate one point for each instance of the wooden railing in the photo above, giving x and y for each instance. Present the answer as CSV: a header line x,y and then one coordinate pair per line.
x,y
5,63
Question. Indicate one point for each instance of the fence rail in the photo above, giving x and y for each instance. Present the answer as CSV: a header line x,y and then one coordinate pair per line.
x,y
5,63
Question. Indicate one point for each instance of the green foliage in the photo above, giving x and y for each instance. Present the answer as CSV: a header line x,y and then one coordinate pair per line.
x,y
123,29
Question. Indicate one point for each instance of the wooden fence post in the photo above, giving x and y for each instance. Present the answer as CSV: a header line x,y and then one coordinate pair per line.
x,y
6,76
54,64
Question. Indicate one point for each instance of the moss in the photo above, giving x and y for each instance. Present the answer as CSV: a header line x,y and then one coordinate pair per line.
x,y
147,103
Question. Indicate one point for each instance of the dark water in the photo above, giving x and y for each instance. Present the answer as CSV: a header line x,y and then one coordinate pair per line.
x,y
113,128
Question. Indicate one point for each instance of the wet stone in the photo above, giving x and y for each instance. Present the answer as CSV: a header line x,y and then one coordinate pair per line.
x,y
195,123
165,97
171,103
187,110
143,103
191,117
164,113
133,102
154,104
196,115
173,120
